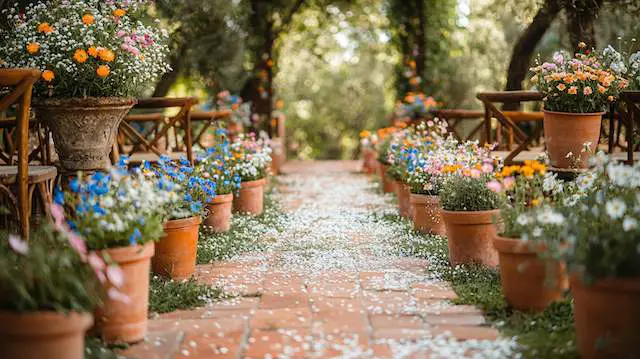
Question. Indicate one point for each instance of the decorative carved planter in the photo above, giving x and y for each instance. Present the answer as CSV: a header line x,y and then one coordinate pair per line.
x,y
84,129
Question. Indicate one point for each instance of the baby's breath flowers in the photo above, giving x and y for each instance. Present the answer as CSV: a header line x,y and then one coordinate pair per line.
x,y
87,48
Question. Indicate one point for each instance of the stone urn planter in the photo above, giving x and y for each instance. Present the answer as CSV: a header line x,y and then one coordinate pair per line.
x,y
126,322
175,254
250,198
525,276
84,129
404,201
38,335
607,317
470,236
425,214
567,133
219,217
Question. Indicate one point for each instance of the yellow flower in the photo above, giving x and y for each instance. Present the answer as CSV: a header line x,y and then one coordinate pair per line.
x,y
88,19
80,56
33,48
106,55
535,202
48,75
103,71
45,28
119,12
582,45
364,134
92,51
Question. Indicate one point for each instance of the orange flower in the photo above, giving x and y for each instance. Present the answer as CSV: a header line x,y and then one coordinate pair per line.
x,y
572,90
409,99
280,104
364,134
48,75
45,28
561,87
119,12
33,48
103,71
92,51
601,89
88,19
581,76
106,55
80,56
610,99
269,63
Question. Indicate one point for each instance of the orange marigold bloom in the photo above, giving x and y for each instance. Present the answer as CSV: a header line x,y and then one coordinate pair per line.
x,y
88,19
80,56
601,89
119,12
48,75
45,28
572,90
106,55
92,51
103,71
33,48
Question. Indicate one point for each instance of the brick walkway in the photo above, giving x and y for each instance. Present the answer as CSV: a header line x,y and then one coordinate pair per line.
x,y
329,286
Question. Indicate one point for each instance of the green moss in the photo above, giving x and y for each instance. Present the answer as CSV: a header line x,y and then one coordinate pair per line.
x,y
167,295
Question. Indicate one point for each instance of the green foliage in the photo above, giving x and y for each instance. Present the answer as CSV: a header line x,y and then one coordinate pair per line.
x,y
462,193
46,275
167,295
94,348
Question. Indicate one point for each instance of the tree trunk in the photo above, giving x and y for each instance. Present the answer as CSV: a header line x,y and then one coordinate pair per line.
x,y
421,43
581,22
526,45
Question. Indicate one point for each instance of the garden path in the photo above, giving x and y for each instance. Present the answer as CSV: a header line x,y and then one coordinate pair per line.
x,y
333,284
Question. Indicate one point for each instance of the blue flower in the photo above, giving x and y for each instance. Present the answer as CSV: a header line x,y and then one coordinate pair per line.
x,y
184,161
58,196
133,239
196,207
74,185
188,197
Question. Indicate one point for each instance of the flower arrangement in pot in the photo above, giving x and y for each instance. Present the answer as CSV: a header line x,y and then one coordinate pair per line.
x,y
382,148
577,91
120,215
95,56
529,283
601,236
217,165
50,287
240,112
401,152
252,159
175,253
470,209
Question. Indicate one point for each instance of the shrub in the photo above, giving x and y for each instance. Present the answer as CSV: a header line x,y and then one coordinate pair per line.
x,y
467,193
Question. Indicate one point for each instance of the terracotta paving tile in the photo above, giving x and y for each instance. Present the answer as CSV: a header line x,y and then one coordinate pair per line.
x,y
281,318
272,300
235,303
449,310
198,313
321,304
204,345
456,319
217,327
383,321
334,290
290,343
401,334
413,265
344,345
389,302
381,351
467,332
434,293
157,345
371,280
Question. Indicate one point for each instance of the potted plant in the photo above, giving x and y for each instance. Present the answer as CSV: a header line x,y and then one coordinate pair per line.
x,y
252,159
577,90
50,287
175,253
369,155
217,164
240,112
529,282
602,252
383,158
120,215
396,170
95,56
470,213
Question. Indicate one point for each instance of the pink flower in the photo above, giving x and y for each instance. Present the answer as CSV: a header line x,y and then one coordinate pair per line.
x,y
118,296
509,182
487,168
495,186
475,173
115,276
587,91
96,262
57,212
18,245
78,244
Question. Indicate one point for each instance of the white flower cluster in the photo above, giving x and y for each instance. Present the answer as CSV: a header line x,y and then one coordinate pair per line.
x,y
252,158
85,48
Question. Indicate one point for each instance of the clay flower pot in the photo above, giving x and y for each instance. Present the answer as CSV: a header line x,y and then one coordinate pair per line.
x,y
404,202
607,317
45,334
582,127
219,217
175,255
524,276
278,155
425,214
84,129
470,236
387,186
250,199
126,322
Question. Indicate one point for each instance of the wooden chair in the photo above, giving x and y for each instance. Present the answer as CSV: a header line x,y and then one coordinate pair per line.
x,y
150,143
455,117
207,119
628,116
17,174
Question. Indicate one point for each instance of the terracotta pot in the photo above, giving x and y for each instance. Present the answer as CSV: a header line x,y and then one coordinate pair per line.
x,y
120,322
84,129
45,334
176,252
425,214
404,201
278,155
250,199
524,276
582,127
607,317
470,236
367,156
219,217
387,186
